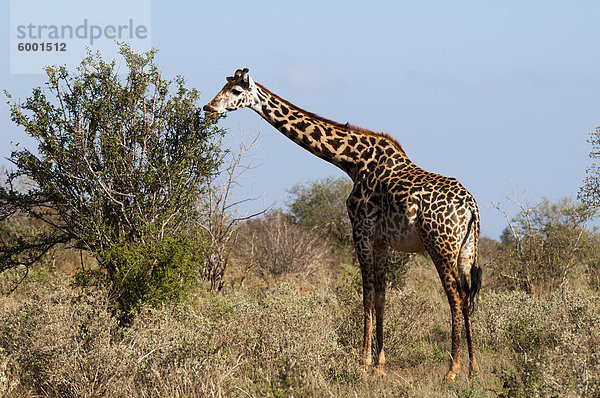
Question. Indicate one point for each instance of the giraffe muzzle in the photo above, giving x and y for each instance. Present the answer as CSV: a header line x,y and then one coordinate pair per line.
x,y
209,108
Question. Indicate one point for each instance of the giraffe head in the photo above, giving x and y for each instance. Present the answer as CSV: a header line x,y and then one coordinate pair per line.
x,y
239,92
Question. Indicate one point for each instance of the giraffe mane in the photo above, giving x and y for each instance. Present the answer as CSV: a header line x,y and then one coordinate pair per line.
x,y
343,126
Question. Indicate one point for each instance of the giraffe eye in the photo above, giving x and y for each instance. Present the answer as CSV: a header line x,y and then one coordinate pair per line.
x,y
235,91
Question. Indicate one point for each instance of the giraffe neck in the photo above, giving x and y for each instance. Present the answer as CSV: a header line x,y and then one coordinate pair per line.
x,y
342,145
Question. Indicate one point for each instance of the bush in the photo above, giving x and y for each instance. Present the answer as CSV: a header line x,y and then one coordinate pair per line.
x,y
321,205
590,191
545,246
149,272
59,342
552,343
120,164
397,268
62,341
277,247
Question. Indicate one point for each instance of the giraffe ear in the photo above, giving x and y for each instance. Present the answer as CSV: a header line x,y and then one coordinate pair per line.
x,y
230,78
250,81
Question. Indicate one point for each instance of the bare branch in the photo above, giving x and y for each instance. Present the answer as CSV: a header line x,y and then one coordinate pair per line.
x,y
221,222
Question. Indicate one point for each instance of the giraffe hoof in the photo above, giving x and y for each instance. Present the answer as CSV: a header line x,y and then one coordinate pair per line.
x,y
379,371
363,369
451,376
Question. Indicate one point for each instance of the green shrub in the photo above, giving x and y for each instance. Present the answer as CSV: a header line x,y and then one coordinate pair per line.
x,y
122,158
150,272
397,268
321,204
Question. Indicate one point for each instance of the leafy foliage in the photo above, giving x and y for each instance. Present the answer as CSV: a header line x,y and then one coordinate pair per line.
x,y
321,204
120,164
150,272
590,191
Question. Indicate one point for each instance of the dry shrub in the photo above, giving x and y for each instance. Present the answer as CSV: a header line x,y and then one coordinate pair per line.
x,y
545,246
57,340
58,343
277,247
62,341
409,319
552,343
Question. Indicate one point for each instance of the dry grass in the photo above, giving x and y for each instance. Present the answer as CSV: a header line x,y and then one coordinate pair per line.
x,y
61,341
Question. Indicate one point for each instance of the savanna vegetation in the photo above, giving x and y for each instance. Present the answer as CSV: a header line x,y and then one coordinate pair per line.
x,y
125,271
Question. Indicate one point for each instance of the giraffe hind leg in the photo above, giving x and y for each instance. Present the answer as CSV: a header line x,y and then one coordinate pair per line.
x,y
456,313
466,261
446,267
473,366
380,254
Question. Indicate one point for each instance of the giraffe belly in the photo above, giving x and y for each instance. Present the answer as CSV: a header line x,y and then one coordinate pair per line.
x,y
401,228
407,239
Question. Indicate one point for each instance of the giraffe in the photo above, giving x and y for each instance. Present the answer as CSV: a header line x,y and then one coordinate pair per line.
x,y
393,203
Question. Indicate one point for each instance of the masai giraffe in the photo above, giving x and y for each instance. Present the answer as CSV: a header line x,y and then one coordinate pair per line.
x,y
394,203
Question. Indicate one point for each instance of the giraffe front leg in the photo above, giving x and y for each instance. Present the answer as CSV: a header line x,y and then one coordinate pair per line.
x,y
367,358
363,244
379,353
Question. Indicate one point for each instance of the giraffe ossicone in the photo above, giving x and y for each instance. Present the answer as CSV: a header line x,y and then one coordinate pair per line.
x,y
394,203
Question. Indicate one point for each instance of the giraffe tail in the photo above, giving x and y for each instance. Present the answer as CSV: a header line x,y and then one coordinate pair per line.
x,y
476,271
475,285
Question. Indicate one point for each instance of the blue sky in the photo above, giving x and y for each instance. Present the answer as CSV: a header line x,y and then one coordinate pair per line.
x,y
501,95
